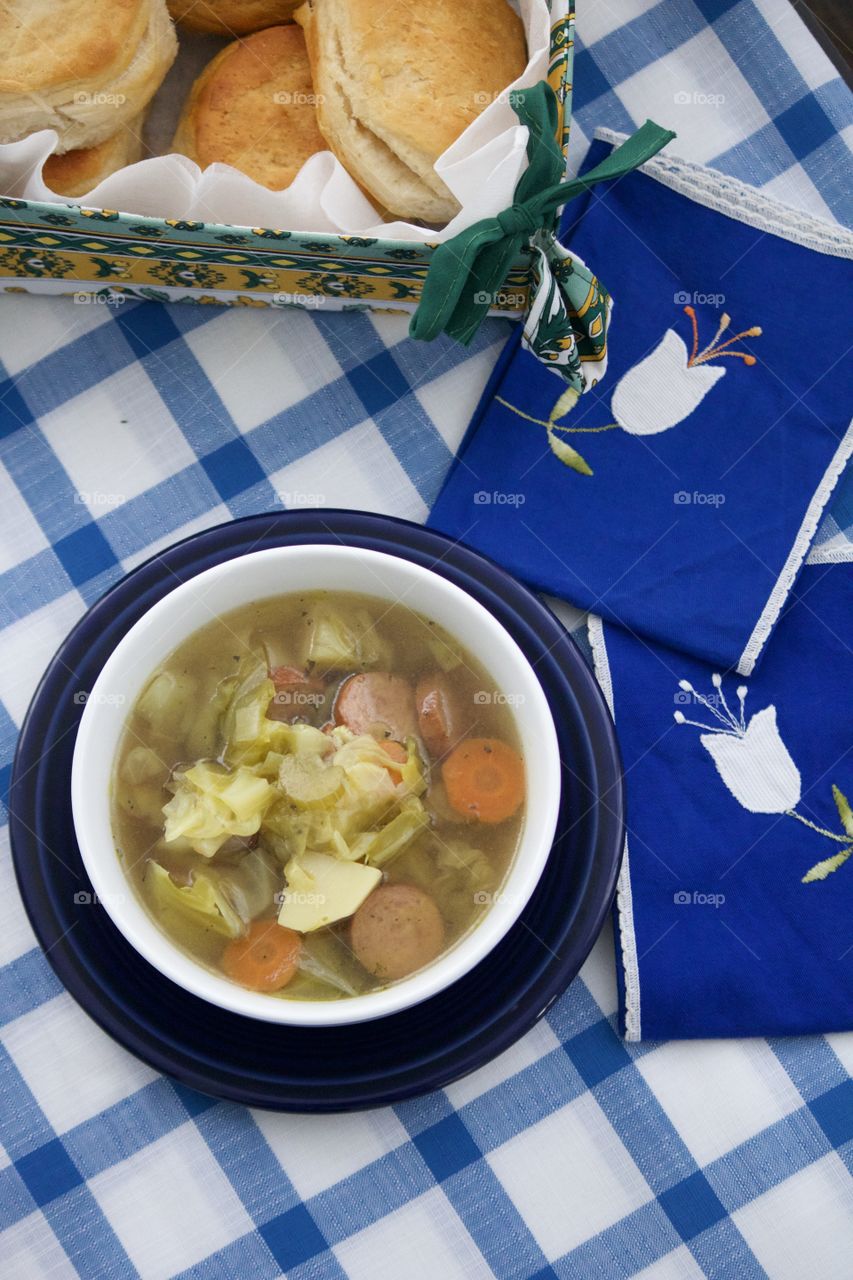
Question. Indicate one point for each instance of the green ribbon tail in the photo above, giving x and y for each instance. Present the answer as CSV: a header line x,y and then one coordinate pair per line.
x,y
642,145
467,271
446,305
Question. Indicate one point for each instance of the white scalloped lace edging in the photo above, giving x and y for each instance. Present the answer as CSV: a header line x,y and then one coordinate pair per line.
x,y
799,551
739,200
624,899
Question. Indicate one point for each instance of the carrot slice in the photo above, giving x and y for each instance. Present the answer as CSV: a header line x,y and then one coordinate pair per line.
x,y
484,779
264,958
396,751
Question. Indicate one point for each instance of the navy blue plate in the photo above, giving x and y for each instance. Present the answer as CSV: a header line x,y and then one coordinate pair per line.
x,y
300,1068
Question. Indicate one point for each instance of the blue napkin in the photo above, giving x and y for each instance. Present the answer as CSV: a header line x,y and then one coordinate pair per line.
x,y
680,495
735,901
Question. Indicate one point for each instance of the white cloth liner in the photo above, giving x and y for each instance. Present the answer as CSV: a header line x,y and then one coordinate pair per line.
x,y
481,168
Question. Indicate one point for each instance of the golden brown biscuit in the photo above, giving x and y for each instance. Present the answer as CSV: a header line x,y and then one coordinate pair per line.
x,y
253,107
397,82
82,67
231,17
74,173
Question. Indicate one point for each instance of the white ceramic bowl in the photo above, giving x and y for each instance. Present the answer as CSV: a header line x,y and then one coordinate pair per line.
x,y
254,577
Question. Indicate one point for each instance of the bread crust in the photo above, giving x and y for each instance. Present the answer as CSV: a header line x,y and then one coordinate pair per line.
x,y
398,82
94,101
253,107
48,46
231,17
74,173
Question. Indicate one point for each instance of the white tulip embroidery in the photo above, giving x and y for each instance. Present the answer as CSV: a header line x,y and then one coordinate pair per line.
x,y
662,390
757,767
654,395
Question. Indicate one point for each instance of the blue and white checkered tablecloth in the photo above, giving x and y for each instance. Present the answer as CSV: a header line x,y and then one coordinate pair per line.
x,y
572,1155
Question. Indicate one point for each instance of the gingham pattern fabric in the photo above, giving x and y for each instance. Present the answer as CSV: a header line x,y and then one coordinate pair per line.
x,y
572,1155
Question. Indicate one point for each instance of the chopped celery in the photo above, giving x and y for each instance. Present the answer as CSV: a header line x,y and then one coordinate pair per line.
x,y
309,783
269,767
248,720
300,739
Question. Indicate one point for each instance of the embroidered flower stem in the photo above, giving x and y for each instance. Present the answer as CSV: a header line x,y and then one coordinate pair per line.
x,y
560,448
822,831
541,422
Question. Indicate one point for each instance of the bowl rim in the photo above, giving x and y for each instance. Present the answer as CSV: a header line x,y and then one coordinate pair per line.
x,y
149,940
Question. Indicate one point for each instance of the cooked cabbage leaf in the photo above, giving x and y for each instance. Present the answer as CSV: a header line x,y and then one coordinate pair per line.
x,y
454,870
413,775
328,960
442,651
379,847
166,702
142,764
211,803
222,898
250,736
334,643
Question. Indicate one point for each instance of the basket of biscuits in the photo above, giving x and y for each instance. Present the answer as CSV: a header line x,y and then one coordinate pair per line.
x,y
262,151
328,153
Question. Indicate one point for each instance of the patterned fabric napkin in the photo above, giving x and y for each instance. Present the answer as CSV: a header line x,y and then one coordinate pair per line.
x,y
681,495
735,899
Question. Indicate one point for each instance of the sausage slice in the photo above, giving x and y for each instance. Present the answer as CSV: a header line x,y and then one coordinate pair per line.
x,y
441,721
376,698
397,930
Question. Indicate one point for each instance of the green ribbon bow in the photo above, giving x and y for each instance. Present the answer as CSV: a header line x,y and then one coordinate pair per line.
x,y
567,320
